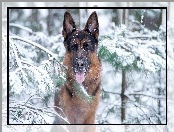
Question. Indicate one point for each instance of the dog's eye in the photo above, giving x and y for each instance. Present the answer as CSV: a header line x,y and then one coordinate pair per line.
x,y
74,47
86,46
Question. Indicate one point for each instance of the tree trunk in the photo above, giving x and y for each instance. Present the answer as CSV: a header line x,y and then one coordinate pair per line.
x,y
83,14
120,19
123,18
123,97
49,30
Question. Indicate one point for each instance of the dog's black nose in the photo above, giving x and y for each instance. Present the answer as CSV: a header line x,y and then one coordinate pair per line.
x,y
80,63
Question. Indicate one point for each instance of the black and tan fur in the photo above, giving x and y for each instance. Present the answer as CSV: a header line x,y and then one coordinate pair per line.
x,y
81,55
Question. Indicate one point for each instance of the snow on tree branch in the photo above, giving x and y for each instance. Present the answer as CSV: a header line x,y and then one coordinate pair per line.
x,y
26,113
139,94
129,49
38,46
27,78
22,27
34,44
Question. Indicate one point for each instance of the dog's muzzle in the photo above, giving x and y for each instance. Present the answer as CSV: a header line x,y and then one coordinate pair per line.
x,y
80,67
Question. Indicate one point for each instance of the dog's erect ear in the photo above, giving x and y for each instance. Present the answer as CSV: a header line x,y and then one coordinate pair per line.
x,y
92,25
68,25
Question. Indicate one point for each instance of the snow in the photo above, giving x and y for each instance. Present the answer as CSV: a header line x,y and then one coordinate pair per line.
x,y
83,90
22,27
142,16
43,12
16,83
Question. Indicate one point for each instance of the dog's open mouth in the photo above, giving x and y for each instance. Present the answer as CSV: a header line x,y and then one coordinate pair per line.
x,y
80,76
80,67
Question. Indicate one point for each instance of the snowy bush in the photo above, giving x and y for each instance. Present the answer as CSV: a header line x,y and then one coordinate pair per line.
x,y
32,84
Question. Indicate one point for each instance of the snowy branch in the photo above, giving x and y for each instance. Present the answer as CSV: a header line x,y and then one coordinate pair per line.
x,y
40,47
140,94
34,110
148,95
16,56
22,27
34,44
110,92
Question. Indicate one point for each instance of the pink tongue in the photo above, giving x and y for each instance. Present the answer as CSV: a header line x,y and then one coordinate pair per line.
x,y
80,77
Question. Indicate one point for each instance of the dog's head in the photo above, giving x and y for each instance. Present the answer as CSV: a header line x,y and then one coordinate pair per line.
x,y
80,44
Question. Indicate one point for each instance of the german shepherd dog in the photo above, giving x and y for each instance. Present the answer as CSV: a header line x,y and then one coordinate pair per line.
x,y
84,68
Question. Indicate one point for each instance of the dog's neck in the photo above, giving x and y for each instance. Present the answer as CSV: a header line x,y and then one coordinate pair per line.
x,y
86,85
